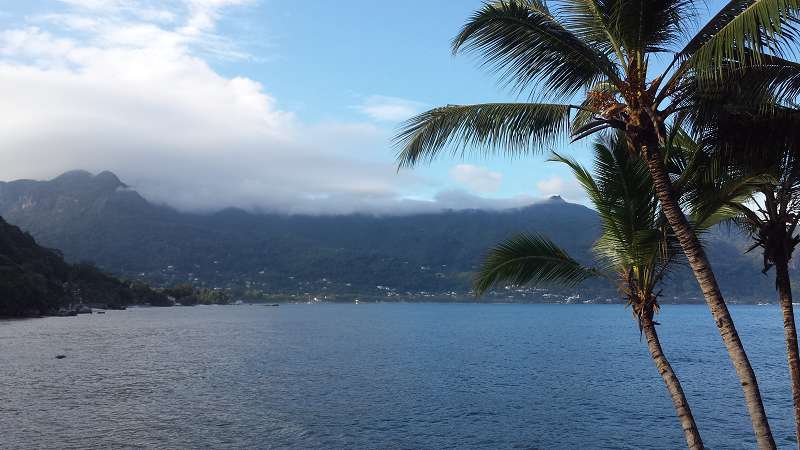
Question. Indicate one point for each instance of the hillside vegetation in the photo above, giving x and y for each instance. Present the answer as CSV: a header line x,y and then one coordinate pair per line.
x,y
98,218
35,280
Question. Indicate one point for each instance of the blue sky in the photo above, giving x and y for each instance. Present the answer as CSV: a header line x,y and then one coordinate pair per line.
x,y
173,95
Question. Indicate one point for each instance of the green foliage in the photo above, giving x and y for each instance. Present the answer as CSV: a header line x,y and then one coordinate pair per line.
x,y
213,297
180,291
771,217
599,52
144,294
740,29
531,47
511,128
529,258
188,295
636,244
36,281
433,253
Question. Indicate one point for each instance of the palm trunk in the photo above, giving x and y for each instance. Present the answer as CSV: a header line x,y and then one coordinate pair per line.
x,y
690,431
790,332
701,267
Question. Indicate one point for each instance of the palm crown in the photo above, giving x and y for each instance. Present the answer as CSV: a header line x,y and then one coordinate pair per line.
x,y
769,146
636,248
598,52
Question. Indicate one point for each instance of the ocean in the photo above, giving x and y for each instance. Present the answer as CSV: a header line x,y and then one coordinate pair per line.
x,y
380,376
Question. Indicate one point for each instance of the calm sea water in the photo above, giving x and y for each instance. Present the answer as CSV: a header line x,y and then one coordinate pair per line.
x,y
379,376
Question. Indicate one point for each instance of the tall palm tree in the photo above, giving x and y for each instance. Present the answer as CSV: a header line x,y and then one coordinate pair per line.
x,y
636,249
769,144
587,62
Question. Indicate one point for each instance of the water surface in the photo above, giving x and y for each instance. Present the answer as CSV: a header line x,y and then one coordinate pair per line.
x,y
379,376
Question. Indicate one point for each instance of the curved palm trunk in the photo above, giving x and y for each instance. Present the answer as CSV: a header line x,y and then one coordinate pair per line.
x,y
701,267
790,332
685,417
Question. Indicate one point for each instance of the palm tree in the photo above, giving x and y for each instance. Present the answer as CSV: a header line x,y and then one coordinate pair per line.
x,y
636,249
598,52
749,141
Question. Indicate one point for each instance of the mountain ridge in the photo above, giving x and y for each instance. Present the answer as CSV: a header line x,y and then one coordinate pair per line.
x,y
99,218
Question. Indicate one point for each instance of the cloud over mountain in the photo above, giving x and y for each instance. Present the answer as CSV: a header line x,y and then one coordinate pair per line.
x,y
129,86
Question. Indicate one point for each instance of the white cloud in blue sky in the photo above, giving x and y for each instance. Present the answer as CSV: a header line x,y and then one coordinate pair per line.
x,y
390,109
476,178
171,95
564,187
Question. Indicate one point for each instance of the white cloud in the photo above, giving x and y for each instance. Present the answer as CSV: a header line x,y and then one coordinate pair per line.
x,y
555,185
93,4
476,178
455,199
133,97
189,24
183,135
124,85
204,14
390,109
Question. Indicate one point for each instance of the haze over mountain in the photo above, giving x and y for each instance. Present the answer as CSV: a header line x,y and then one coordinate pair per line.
x,y
98,218
205,104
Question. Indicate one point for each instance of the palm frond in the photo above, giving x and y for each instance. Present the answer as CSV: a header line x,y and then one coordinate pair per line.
x,y
523,41
529,259
511,129
773,77
592,21
760,26
710,188
750,138
724,201
633,233
651,26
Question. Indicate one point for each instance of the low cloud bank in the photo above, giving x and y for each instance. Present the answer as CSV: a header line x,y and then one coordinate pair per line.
x,y
126,86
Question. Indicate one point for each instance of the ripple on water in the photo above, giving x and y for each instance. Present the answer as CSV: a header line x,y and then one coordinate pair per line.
x,y
378,376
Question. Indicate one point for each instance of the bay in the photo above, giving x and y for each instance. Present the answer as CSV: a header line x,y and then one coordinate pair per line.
x,y
380,376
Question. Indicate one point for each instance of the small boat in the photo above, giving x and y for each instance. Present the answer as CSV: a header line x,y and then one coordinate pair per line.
x,y
272,304
99,312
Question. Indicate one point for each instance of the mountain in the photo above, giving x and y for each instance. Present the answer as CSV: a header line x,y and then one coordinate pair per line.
x,y
35,280
98,218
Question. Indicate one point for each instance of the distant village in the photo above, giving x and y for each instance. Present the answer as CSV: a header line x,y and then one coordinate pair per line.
x,y
254,288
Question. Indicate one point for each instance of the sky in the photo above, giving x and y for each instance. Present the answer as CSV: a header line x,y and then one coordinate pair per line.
x,y
255,104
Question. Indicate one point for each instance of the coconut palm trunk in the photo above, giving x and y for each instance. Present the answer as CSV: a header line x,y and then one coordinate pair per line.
x,y
778,244
635,251
762,146
698,261
790,332
690,432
